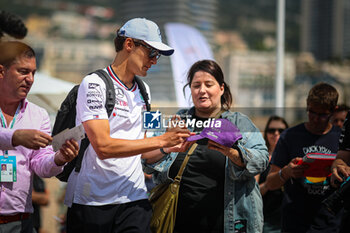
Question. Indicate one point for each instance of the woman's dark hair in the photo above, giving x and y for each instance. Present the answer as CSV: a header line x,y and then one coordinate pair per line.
x,y
12,25
273,118
214,69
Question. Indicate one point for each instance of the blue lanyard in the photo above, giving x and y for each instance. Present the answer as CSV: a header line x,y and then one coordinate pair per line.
x,y
3,123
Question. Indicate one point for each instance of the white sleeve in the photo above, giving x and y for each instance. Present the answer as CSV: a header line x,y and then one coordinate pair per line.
x,y
148,91
91,99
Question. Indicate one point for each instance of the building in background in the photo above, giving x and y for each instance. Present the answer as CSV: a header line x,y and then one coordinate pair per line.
x,y
72,60
325,28
251,76
201,14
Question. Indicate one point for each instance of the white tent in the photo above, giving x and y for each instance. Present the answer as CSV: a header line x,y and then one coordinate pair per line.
x,y
45,84
49,92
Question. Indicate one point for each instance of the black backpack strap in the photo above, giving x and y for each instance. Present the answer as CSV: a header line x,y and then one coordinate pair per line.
x,y
143,92
110,101
110,92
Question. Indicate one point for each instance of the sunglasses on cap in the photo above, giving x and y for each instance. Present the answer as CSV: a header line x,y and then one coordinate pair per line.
x,y
273,130
152,51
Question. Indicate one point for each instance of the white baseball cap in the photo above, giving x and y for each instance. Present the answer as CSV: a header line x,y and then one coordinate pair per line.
x,y
147,31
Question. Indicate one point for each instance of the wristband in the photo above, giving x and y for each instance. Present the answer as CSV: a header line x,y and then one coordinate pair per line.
x,y
162,151
281,177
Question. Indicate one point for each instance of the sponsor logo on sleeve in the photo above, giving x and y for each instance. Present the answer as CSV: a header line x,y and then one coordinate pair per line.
x,y
96,107
92,101
93,85
93,94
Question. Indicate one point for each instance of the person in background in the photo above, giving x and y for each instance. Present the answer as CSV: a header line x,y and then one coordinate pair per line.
x,y
339,115
272,200
341,170
40,197
12,25
218,192
303,195
24,138
61,217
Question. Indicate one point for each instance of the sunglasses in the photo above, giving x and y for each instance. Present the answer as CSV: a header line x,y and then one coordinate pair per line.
x,y
152,51
273,130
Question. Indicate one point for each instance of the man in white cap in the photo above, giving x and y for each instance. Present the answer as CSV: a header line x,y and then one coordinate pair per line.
x,y
109,192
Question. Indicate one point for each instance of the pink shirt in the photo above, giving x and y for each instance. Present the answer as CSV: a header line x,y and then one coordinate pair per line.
x,y
16,197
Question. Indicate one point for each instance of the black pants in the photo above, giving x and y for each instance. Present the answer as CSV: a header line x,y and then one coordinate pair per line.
x,y
324,222
22,226
132,217
345,224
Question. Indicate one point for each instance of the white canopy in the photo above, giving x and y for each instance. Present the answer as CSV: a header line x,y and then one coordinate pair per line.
x,y
45,84
49,92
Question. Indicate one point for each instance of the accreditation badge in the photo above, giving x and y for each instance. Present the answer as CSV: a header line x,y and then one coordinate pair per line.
x,y
8,169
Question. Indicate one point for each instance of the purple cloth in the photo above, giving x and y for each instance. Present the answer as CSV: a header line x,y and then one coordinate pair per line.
x,y
16,197
222,131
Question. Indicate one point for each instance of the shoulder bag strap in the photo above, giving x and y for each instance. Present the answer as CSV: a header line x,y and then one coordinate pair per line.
x,y
189,153
184,163
110,92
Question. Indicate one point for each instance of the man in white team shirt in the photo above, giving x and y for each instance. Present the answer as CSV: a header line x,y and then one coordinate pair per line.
x,y
109,192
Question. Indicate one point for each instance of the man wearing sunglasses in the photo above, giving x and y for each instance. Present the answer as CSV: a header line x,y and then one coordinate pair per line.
x,y
109,193
303,195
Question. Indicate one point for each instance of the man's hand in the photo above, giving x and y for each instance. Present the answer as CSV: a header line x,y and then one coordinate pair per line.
x,y
67,152
182,147
30,138
174,137
175,134
340,171
293,170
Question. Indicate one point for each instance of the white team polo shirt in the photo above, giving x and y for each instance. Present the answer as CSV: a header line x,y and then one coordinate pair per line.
x,y
115,180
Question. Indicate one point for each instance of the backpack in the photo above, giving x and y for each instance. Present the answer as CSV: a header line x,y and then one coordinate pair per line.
x,y
66,115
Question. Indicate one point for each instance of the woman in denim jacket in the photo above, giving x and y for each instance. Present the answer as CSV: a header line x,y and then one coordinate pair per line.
x,y
218,192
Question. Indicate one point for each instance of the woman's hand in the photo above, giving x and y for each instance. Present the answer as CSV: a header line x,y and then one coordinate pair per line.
x,y
231,153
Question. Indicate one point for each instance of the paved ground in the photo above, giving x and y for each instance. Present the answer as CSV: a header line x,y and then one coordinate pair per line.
x,y
49,212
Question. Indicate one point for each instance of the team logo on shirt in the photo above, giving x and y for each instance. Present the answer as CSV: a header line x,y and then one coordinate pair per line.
x,y
91,101
93,94
93,85
96,107
152,120
120,93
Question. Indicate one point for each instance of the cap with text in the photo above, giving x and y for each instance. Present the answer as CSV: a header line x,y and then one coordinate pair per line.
x,y
147,31
225,133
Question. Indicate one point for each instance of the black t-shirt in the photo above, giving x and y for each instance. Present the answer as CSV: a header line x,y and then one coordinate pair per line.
x,y
38,186
201,197
303,196
344,141
272,201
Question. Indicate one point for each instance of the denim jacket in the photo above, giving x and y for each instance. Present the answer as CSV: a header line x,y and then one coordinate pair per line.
x,y
242,198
